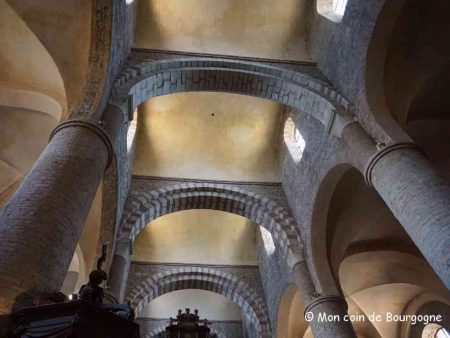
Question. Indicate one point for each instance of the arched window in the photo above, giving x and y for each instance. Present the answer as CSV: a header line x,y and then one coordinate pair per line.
x,y
434,330
332,9
267,239
132,131
294,140
442,333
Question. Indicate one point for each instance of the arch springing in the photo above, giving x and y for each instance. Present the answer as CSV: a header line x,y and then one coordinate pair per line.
x,y
207,279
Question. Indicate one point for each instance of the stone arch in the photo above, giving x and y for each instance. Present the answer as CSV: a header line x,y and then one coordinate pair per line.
x,y
400,67
352,225
422,304
28,82
399,283
205,279
80,52
146,207
32,98
289,317
144,80
375,62
318,232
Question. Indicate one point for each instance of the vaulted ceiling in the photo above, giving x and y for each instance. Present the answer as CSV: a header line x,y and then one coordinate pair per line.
x,y
214,136
229,27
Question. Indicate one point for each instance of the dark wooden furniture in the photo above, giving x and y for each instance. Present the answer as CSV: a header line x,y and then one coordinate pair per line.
x,y
76,319
187,325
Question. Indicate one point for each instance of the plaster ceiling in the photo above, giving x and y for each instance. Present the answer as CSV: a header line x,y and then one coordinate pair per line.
x,y
198,236
209,304
370,269
23,135
203,135
386,281
59,29
19,70
417,62
229,27
36,92
358,218
380,300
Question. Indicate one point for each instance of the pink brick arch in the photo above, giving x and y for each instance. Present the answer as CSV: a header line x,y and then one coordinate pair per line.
x,y
203,278
145,207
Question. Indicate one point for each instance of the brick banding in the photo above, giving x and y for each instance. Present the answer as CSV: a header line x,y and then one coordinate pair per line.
x,y
146,79
143,208
203,278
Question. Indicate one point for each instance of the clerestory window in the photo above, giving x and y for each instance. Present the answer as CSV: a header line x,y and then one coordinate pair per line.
x,y
294,140
332,9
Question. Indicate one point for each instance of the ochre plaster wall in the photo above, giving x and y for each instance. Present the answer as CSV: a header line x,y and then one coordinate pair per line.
x,y
209,304
19,70
263,28
64,29
23,136
208,136
198,236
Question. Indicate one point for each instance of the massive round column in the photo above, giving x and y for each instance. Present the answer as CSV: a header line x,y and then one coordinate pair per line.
x,y
118,273
417,196
41,224
326,314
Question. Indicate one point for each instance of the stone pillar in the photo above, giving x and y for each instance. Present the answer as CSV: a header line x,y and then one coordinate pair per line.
x,y
333,307
417,196
41,224
120,267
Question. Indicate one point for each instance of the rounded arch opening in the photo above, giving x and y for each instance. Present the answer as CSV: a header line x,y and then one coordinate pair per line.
x,y
295,89
262,211
368,256
207,279
407,62
426,304
319,246
32,98
37,74
433,330
224,239
290,321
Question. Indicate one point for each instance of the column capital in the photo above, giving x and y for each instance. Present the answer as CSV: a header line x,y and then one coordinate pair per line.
x,y
339,121
92,127
383,151
325,299
124,247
